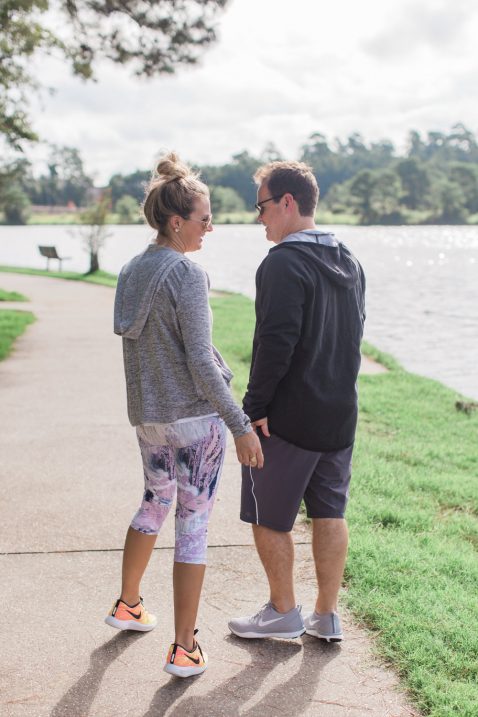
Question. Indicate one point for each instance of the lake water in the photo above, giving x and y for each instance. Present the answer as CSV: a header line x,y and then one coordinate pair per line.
x,y
422,282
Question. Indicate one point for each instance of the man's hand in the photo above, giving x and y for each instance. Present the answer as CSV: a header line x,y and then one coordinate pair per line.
x,y
249,451
262,424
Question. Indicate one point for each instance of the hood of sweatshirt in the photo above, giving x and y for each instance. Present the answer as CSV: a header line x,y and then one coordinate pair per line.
x,y
138,283
330,256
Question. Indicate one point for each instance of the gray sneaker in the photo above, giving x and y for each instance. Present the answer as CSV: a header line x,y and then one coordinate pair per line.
x,y
269,623
325,626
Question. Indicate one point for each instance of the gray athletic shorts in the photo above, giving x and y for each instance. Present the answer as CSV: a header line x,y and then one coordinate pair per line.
x,y
271,496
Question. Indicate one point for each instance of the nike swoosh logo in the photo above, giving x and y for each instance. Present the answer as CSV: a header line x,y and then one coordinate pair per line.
x,y
136,617
263,623
196,660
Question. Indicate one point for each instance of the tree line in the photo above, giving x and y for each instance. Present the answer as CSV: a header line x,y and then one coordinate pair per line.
x,y
434,181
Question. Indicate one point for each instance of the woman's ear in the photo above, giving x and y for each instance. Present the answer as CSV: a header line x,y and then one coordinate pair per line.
x,y
175,223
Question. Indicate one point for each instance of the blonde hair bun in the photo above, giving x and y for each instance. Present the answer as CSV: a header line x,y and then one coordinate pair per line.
x,y
170,168
173,189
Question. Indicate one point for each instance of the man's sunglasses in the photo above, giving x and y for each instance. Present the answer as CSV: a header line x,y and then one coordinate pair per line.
x,y
259,205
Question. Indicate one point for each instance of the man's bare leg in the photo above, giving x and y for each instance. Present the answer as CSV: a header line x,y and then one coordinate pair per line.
x,y
276,551
329,546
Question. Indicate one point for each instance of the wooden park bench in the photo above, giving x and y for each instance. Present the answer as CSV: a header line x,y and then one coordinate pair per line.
x,y
50,252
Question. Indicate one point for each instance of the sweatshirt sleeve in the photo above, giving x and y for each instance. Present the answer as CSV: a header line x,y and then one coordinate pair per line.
x,y
193,313
279,315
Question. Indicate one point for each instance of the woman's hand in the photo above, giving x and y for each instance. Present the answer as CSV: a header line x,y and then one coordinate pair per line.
x,y
249,451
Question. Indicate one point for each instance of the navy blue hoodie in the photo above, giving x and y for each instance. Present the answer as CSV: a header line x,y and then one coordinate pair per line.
x,y
310,312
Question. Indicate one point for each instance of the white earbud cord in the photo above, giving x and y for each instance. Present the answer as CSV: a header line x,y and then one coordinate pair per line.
x,y
254,496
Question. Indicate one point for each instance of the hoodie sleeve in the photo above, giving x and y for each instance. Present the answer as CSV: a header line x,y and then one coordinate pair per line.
x,y
279,315
193,314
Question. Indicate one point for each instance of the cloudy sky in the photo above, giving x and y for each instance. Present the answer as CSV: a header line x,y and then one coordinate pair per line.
x,y
281,70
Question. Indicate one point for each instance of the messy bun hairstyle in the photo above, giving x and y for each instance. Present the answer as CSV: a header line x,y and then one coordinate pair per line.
x,y
172,190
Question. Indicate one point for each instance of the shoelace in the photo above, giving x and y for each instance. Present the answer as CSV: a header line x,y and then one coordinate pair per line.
x,y
259,614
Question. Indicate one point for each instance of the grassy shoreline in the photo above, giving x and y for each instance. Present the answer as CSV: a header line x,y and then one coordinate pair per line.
x,y
98,277
242,217
324,216
412,572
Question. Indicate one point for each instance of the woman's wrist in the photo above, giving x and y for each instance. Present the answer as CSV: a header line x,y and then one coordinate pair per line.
x,y
243,430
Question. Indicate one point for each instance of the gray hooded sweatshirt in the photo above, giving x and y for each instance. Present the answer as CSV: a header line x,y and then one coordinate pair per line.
x,y
172,369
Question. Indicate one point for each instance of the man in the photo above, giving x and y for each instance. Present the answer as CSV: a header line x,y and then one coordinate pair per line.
x,y
302,399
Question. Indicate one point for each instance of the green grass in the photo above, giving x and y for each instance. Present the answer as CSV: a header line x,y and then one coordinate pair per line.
x,y
241,217
12,325
323,216
54,219
412,571
11,296
99,277
232,331
73,218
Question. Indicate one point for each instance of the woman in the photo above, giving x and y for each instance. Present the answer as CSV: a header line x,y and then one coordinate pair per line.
x,y
179,400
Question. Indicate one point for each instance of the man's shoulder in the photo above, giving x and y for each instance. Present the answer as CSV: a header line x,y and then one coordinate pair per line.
x,y
285,259
281,274
274,267
279,256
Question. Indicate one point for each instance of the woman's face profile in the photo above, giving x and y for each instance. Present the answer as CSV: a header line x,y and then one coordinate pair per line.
x,y
199,223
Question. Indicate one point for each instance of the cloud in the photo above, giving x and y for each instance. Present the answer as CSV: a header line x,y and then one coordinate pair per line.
x,y
436,25
278,74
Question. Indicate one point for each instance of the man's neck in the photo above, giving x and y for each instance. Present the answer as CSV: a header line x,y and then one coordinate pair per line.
x,y
302,224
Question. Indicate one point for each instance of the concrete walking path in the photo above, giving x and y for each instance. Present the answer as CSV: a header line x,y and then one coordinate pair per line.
x,y
71,479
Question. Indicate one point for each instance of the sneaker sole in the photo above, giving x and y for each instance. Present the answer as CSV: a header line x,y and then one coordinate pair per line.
x,y
128,624
252,635
183,671
327,638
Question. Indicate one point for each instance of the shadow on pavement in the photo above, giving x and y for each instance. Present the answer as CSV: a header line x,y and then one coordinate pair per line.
x,y
294,695
289,696
169,693
79,698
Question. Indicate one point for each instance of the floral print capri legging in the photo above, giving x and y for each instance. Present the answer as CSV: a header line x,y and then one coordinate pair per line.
x,y
184,457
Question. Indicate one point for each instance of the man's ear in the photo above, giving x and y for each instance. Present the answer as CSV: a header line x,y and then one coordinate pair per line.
x,y
288,199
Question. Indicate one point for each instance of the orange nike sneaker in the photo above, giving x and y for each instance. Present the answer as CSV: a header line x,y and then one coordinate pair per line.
x,y
131,617
182,663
